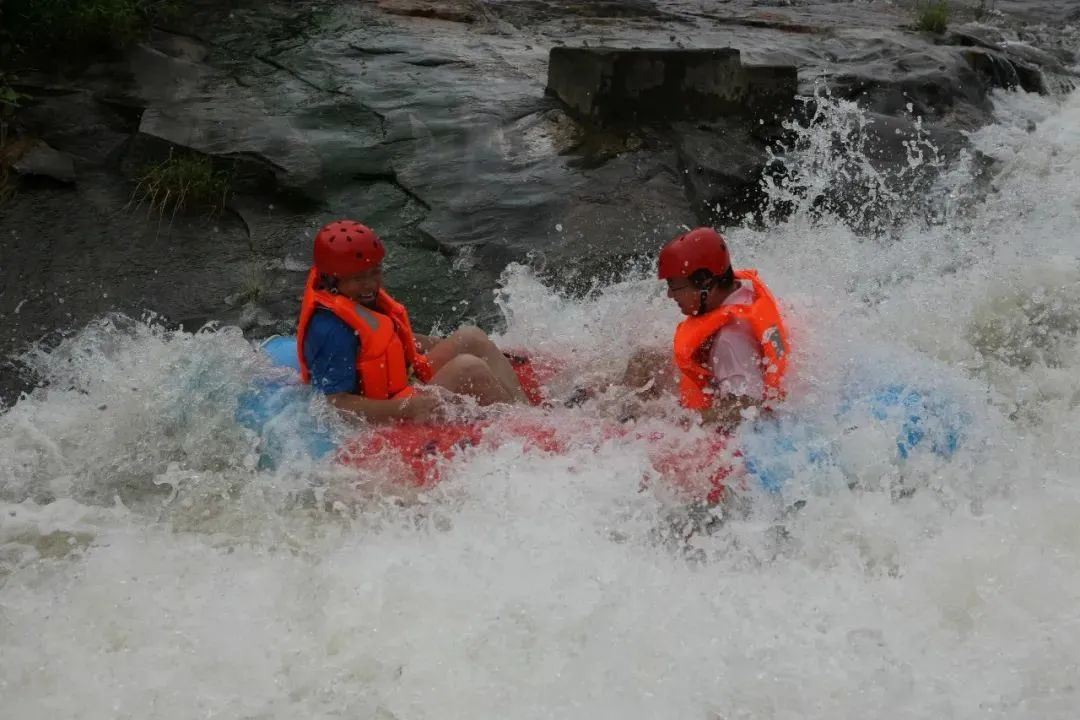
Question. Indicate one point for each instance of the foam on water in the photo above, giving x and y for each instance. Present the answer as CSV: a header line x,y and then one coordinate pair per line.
x,y
151,568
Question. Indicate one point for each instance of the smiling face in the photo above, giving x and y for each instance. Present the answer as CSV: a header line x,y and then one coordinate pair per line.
x,y
362,287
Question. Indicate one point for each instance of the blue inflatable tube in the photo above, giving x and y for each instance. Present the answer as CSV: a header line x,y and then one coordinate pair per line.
x,y
777,449
277,408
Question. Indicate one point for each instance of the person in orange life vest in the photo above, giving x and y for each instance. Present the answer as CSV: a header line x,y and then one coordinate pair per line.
x,y
355,342
731,351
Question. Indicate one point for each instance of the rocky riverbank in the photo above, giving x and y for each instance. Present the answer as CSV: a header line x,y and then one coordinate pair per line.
x,y
433,121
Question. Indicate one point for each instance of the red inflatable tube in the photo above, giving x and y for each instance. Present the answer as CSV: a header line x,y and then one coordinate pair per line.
x,y
698,467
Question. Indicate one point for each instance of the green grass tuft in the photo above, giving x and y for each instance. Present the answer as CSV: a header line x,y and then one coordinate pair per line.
x,y
183,182
932,16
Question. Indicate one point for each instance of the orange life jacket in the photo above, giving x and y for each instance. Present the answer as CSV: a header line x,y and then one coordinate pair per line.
x,y
387,346
694,336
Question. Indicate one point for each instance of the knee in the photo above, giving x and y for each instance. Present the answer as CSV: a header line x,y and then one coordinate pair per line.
x,y
472,340
469,375
469,368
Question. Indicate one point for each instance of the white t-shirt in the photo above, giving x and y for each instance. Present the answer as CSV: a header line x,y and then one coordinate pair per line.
x,y
735,357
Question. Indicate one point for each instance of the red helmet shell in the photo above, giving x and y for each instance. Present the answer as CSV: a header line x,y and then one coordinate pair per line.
x,y
699,249
345,247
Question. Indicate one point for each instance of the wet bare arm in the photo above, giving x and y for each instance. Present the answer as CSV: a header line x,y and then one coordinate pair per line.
x,y
380,411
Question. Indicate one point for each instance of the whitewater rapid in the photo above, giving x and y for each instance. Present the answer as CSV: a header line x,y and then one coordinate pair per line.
x,y
151,567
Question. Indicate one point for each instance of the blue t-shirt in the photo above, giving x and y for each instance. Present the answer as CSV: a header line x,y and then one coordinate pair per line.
x,y
330,349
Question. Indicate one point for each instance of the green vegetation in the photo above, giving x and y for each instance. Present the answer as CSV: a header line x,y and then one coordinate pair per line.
x,y
58,29
253,287
932,16
182,182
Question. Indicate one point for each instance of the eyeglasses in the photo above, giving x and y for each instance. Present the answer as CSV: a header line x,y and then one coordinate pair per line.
x,y
679,288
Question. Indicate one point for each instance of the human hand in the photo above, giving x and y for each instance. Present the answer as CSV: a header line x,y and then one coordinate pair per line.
x,y
423,407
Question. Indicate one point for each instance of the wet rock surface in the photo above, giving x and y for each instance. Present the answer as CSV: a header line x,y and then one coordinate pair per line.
x,y
40,160
431,122
619,87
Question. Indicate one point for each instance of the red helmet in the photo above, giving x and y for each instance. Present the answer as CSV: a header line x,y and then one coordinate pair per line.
x,y
345,247
700,249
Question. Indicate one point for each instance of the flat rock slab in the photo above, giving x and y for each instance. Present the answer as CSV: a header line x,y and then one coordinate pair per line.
x,y
262,146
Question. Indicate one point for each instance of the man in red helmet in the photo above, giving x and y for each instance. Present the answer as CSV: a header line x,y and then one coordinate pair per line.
x,y
731,351
355,342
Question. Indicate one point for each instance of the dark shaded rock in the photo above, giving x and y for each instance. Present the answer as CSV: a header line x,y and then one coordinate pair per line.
x,y
93,257
770,91
878,169
1040,69
994,67
182,47
1033,55
1031,78
933,83
544,9
187,105
976,34
43,161
265,152
375,51
74,122
1037,11
280,241
611,86
433,61
767,20
463,11
722,167
505,193
890,139
155,77
621,210
1035,69
180,103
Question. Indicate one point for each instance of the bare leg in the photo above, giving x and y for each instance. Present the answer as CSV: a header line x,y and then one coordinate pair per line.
x,y
473,342
469,375
651,365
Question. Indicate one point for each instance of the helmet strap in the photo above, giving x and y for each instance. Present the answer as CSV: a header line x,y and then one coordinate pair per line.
x,y
703,293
